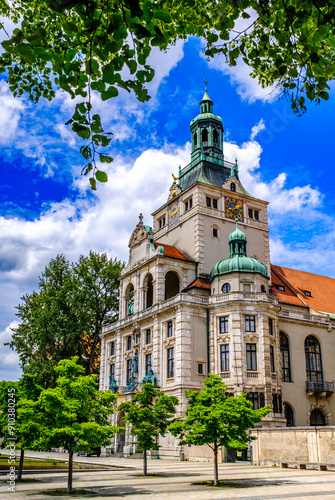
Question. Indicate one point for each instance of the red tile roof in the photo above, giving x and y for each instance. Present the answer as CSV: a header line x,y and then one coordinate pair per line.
x,y
199,283
322,289
171,251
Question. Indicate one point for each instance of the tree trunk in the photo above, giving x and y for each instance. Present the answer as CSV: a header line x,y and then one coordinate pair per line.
x,y
19,473
69,478
215,465
145,469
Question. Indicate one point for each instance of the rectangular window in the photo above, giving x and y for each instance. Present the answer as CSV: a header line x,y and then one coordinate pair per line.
x,y
250,213
186,206
200,368
270,326
170,362
215,203
128,342
208,201
277,403
224,357
251,357
224,324
129,371
112,371
112,349
148,336
147,363
169,329
256,214
257,399
272,359
250,324
215,232
190,203
281,288
137,338
161,222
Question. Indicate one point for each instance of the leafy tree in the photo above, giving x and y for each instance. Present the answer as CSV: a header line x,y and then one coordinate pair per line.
x,y
11,429
65,317
214,419
104,45
150,412
73,415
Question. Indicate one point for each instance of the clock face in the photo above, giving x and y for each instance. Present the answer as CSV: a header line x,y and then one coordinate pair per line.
x,y
233,208
174,213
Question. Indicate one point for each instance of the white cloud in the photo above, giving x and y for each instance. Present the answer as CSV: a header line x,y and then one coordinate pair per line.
x,y
257,128
11,110
9,360
283,200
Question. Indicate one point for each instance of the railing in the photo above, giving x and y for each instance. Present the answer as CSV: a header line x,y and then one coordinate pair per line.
x,y
225,374
252,374
319,386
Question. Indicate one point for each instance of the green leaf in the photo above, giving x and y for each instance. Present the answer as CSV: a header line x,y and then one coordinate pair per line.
x,y
71,27
105,158
163,16
86,152
93,183
81,130
109,93
101,176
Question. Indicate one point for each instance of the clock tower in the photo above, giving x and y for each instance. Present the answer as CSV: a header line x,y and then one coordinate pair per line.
x,y
206,199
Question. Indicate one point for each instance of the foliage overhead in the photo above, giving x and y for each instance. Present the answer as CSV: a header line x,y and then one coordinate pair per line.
x,y
103,46
214,419
73,415
150,412
65,317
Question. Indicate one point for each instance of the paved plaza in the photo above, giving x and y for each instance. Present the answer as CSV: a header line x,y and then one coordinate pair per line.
x,y
174,480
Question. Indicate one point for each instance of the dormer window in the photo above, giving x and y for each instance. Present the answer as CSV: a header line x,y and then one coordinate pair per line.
x,y
232,187
307,293
281,288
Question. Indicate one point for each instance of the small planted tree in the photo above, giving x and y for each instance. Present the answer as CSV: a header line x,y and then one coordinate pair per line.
x,y
150,413
13,431
214,419
73,415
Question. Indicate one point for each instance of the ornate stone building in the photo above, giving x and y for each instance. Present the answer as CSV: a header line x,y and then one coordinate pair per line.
x,y
199,295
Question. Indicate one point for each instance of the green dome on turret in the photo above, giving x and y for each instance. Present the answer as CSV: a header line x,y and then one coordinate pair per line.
x,y
237,234
238,260
241,264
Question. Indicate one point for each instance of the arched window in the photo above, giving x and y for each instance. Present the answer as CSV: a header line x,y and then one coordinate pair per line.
x,y
195,139
285,358
204,137
148,291
171,285
288,413
129,300
263,289
317,418
313,359
215,138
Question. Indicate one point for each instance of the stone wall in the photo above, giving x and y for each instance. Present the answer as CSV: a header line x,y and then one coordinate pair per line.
x,y
298,444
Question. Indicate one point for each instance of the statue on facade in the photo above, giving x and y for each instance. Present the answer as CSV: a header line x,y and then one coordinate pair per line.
x,y
112,384
134,363
150,378
132,383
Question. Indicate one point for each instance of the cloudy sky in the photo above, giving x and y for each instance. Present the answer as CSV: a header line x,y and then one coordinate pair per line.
x,y
47,208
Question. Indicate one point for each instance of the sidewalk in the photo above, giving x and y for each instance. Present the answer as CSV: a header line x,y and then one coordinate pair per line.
x,y
172,480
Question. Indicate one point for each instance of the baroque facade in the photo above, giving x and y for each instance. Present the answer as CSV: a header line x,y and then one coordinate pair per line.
x,y
200,296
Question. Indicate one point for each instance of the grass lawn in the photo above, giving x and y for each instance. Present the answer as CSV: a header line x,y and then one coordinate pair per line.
x,y
34,463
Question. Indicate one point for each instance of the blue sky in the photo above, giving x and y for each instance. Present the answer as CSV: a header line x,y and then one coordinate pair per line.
x,y
48,208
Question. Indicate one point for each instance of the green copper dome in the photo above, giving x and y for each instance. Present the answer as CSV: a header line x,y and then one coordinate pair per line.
x,y
237,234
238,260
239,263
